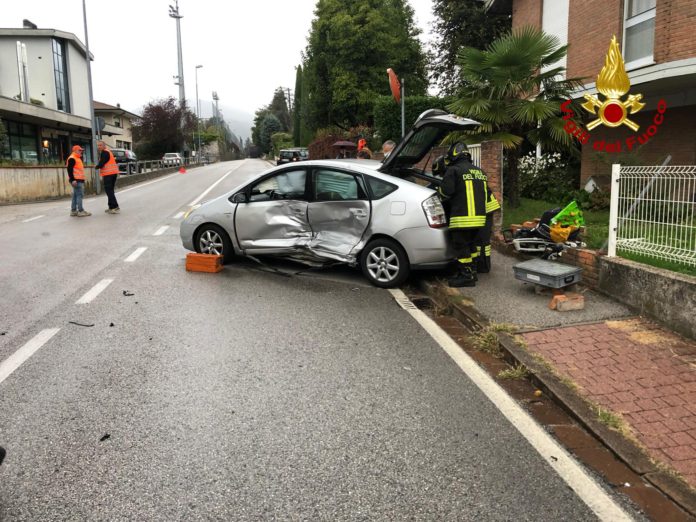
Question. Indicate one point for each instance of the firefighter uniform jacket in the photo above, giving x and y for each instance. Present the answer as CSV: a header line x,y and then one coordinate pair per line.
x,y
466,187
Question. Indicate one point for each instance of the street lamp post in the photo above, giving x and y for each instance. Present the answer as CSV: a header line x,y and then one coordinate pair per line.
x,y
198,115
174,13
97,180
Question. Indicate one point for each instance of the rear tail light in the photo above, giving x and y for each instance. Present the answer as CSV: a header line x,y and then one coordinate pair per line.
x,y
434,212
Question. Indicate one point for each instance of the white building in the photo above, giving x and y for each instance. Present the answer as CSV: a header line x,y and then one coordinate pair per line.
x,y
118,125
44,95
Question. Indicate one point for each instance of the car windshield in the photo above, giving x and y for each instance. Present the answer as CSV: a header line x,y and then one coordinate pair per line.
x,y
119,153
285,154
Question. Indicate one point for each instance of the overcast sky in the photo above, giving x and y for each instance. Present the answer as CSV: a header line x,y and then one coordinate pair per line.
x,y
247,47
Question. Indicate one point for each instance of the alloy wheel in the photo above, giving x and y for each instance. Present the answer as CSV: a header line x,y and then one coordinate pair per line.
x,y
210,243
383,264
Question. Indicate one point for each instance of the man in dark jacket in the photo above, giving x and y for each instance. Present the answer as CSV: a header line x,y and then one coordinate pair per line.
x,y
465,186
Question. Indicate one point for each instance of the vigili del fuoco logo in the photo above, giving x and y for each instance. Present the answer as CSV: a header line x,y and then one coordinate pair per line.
x,y
613,110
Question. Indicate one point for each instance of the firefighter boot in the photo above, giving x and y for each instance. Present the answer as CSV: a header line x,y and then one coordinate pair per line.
x,y
483,264
465,277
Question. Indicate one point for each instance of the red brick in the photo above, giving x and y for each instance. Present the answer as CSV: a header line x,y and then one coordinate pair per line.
x,y
675,426
676,412
683,438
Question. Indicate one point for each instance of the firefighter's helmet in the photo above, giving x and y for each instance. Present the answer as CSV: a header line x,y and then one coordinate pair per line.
x,y
457,151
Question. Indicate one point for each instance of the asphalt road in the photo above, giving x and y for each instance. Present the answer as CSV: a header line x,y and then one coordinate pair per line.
x,y
242,395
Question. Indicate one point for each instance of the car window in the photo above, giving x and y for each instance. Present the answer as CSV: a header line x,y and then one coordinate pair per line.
x,y
288,184
285,154
331,185
380,188
118,153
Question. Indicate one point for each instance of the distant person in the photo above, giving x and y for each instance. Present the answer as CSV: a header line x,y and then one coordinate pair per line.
x,y
108,170
364,153
76,173
387,147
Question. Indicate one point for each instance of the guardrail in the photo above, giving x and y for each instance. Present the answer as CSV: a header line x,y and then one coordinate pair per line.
x,y
140,167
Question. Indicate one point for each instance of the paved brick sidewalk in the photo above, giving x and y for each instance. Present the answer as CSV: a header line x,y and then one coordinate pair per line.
x,y
639,370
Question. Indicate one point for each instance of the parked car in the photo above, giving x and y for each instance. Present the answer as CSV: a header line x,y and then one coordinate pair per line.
x,y
127,160
290,155
359,212
172,159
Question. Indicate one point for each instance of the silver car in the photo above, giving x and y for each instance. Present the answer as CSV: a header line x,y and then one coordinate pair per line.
x,y
359,212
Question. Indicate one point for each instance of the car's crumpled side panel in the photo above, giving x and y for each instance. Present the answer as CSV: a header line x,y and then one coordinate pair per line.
x,y
337,226
272,224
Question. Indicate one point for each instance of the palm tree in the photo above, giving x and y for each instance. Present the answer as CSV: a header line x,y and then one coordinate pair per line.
x,y
515,88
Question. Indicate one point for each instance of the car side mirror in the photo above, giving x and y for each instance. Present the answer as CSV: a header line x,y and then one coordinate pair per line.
x,y
239,197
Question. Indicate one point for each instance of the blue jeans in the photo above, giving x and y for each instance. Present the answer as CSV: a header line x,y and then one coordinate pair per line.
x,y
78,192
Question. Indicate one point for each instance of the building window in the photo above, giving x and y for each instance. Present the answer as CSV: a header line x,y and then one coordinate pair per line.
x,y
117,121
60,73
639,32
21,143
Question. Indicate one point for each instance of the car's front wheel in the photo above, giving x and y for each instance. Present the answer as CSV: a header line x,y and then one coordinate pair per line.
x,y
385,263
212,239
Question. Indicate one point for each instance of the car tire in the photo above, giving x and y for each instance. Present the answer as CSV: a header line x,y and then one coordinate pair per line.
x,y
212,239
384,263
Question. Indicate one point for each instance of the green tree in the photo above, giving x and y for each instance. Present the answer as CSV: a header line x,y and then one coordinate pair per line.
x,y
269,126
280,140
259,115
350,47
457,24
159,129
514,88
388,113
279,108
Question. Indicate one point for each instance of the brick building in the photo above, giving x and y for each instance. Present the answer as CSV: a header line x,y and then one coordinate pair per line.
x,y
659,50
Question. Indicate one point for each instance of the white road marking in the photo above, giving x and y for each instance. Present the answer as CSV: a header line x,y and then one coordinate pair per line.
x,y
135,255
33,219
15,360
161,230
95,291
556,456
195,201
140,185
179,215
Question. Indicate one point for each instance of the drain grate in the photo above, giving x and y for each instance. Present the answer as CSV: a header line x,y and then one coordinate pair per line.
x,y
405,303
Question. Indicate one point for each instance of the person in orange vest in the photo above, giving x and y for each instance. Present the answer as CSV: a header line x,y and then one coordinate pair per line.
x,y
76,173
108,170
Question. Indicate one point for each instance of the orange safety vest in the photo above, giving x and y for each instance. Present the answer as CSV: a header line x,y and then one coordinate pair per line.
x,y
111,166
79,168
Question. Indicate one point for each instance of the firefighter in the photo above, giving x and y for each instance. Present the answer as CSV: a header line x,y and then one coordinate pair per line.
x,y
483,241
466,188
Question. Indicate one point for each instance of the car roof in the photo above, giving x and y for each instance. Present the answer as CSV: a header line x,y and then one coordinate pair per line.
x,y
362,166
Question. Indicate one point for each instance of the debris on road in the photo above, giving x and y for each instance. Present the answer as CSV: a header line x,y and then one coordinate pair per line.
x,y
80,324
104,437
209,263
127,293
111,324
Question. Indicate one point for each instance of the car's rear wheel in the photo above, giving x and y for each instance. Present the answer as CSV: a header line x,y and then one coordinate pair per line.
x,y
385,263
212,239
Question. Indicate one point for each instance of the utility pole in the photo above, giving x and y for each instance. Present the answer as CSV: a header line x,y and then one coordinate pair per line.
x,y
216,98
198,115
97,179
174,13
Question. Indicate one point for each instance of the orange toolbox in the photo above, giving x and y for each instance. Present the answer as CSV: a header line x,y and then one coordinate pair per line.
x,y
203,263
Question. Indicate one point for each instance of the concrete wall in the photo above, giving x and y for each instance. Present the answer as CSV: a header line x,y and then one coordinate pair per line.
x,y
665,296
25,184
78,82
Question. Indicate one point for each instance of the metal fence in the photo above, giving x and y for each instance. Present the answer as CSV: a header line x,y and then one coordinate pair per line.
x,y
653,212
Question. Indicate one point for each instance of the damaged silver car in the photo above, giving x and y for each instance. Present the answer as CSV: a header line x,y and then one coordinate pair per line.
x,y
318,212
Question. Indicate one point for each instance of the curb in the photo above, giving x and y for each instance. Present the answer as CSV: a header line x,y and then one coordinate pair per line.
x,y
626,451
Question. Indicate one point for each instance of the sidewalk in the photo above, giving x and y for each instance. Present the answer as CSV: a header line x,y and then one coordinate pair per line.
x,y
630,367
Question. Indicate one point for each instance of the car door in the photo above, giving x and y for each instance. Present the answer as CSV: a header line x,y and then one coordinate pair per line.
x,y
274,218
338,211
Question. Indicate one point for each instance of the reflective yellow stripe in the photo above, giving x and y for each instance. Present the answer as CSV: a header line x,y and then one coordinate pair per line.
x,y
474,255
492,204
465,260
467,221
488,250
471,211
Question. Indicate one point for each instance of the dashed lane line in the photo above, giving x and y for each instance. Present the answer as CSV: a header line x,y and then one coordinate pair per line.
x,y
33,219
161,230
94,291
15,360
135,255
555,455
